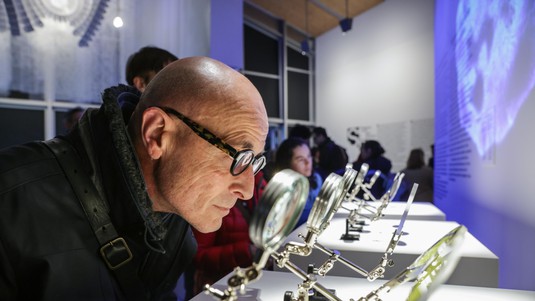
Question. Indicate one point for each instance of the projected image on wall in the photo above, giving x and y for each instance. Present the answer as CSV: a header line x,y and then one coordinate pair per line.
x,y
495,65
484,108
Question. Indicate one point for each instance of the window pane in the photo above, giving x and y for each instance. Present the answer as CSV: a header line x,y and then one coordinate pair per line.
x,y
20,126
296,59
269,89
298,96
261,52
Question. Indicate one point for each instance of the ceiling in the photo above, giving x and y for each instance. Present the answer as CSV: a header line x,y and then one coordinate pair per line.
x,y
322,15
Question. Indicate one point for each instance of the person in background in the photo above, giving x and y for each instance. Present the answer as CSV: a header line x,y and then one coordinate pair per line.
x,y
142,66
294,153
371,153
300,131
431,162
107,208
71,118
417,172
328,156
219,252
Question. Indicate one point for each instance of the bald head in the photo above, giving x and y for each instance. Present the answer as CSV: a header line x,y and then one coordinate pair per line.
x,y
203,89
177,164
196,82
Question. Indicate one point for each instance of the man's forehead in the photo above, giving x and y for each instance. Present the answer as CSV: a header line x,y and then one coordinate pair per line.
x,y
247,141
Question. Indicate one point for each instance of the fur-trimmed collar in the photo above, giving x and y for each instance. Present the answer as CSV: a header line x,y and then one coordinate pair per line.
x,y
127,97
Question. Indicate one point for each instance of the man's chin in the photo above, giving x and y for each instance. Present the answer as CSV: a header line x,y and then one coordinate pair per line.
x,y
208,228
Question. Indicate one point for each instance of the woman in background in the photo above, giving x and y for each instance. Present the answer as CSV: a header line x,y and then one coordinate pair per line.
x,y
371,153
294,153
417,172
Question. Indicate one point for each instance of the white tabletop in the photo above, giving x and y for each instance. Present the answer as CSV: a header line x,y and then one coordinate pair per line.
x,y
394,210
478,266
273,285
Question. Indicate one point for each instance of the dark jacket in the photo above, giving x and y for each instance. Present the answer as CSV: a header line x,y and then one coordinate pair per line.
x,y
378,163
332,158
48,250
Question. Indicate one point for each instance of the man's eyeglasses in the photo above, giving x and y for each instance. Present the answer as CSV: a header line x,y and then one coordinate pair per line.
x,y
241,159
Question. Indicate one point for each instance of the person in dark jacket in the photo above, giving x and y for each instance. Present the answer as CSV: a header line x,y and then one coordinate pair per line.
x,y
328,156
149,180
417,172
142,66
371,153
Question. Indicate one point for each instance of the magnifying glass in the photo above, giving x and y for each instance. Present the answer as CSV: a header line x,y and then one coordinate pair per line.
x,y
275,216
362,173
429,270
349,177
358,182
279,210
398,178
328,200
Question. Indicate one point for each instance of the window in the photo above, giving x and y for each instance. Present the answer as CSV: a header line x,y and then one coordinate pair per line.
x,y
282,75
20,126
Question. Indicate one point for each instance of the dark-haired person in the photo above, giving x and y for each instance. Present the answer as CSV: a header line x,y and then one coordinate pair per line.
x,y
294,153
71,118
329,157
300,131
104,212
417,172
371,153
142,66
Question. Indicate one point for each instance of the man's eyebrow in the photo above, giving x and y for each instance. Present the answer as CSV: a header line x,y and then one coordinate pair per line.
x,y
246,144
249,145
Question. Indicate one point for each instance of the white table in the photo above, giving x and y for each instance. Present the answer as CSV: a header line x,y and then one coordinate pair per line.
x,y
273,285
394,210
478,266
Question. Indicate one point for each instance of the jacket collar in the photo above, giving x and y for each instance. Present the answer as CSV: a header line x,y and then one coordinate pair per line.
x,y
115,128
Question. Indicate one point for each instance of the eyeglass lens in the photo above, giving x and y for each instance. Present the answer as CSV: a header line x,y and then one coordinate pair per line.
x,y
243,159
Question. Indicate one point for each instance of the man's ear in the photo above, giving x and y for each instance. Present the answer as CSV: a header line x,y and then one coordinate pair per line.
x,y
139,83
152,129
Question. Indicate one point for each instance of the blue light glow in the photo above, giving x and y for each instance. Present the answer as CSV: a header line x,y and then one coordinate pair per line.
x,y
495,64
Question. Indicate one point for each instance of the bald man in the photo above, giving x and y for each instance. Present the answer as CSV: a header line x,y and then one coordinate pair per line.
x,y
190,173
104,213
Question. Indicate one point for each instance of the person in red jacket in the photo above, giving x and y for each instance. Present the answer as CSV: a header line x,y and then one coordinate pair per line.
x,y
219,252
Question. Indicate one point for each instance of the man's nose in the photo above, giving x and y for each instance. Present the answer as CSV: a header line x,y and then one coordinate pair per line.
x,y
243,185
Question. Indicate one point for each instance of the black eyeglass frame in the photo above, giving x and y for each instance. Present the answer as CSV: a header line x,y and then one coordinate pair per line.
x,y
258,162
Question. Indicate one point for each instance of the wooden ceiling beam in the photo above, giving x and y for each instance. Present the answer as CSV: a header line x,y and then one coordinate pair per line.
x,y
328,10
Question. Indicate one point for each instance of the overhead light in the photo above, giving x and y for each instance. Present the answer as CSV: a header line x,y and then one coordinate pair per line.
x,y
305,47
118,22
345,24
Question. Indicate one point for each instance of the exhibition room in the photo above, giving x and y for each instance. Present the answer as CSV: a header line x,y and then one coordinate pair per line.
x,y
378,150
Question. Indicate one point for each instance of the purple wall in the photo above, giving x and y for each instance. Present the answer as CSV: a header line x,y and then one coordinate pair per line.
x,y
485,103
226,35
